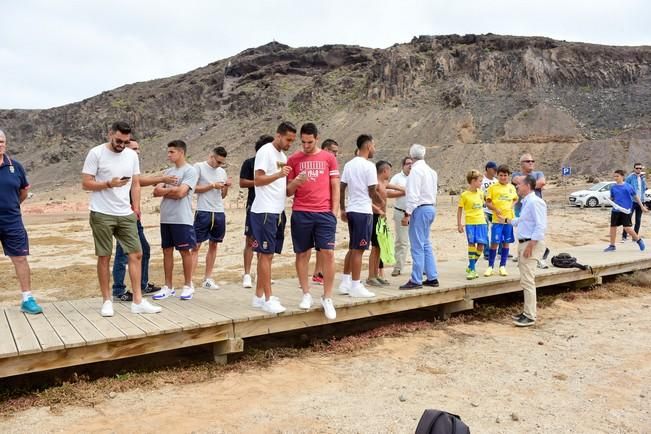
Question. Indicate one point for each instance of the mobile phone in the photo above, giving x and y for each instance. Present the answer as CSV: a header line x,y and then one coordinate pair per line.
x,y
124,178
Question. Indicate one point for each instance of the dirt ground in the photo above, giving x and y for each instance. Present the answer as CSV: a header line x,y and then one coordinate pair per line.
x,y
585,368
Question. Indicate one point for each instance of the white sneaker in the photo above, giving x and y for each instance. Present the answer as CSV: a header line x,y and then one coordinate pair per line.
x,y
107,308
361,292
145,307
247,282
187,293
328,308
208,284
344,288
164,293
306,303
259,302
273,306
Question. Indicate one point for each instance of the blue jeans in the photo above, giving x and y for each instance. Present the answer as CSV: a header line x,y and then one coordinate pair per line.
x,y
121,260
637,222
422,255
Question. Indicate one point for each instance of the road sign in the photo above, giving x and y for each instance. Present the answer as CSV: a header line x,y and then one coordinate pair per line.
x,y
566,171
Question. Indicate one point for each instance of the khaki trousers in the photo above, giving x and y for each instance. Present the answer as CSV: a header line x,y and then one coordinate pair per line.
x,y
527,267
401,241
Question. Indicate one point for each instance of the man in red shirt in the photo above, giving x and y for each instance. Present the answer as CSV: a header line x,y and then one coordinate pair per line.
x,y
314,183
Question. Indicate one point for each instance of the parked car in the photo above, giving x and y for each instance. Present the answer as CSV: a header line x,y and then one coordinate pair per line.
x,y
647,198
593,196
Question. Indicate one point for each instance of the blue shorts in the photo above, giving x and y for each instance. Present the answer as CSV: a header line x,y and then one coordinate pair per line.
x,y
477,234
268,232
179,236
209,225
247,224
502,233
14,240
360,227
313,229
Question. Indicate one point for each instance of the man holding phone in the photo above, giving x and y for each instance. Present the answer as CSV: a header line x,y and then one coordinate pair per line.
x,y
120,261
111,173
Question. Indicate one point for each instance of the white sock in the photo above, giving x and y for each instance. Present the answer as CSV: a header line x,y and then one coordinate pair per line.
x,y
346,278
356,284
26,295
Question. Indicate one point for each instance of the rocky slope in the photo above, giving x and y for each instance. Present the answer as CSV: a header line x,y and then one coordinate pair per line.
x,y
467,98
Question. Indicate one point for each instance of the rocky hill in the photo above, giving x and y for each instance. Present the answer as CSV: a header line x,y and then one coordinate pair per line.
x,y
467,98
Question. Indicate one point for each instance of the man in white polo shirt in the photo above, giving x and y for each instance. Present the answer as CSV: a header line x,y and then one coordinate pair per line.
x,y
399,207
112,171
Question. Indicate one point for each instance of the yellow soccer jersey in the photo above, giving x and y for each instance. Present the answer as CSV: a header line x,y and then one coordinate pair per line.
x,y
473,207
502,197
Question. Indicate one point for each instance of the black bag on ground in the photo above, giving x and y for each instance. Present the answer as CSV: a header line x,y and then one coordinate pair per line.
x,y
565,260
441,422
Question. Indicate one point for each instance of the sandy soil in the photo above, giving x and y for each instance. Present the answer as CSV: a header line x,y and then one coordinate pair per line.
x,y
585,368
63,261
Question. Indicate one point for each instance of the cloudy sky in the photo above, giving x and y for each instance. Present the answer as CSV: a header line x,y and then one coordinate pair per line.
x,y
54,52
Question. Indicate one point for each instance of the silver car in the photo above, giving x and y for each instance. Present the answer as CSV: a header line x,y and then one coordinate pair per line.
x,y
593,196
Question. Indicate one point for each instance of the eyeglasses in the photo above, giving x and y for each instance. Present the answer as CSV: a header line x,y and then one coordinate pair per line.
x,y
122,142
528,161
638,168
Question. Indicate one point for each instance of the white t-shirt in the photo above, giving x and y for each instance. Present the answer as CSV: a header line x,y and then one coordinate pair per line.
x,y
485,183
270,198
359,174
400,179
104,165
211,200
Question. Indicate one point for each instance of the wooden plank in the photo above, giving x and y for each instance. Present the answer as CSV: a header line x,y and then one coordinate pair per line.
x,y
112,350
180,319
24,337
66,331
45,333
143,321
85,328
7,344
313,318
102,324
129,329
200,314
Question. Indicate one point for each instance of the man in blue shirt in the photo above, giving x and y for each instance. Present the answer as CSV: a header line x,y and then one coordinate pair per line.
x,y
13,191
622,198
638,182
531,224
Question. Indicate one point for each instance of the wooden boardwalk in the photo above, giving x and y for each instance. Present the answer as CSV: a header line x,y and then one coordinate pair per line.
x,y
71,333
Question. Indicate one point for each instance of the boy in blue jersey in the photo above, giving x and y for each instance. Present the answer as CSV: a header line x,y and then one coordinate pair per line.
x,y
622,197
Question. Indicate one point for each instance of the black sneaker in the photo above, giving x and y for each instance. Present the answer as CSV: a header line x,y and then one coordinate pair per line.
x,y
150,289
433,283
517,317
524,321
411,285
127,296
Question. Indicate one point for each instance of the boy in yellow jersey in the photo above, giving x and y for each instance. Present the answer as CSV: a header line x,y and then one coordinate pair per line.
x,y
500,199
472,203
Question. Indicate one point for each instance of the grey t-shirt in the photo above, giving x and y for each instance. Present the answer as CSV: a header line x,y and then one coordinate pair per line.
x,y
536,174
211,200
179,211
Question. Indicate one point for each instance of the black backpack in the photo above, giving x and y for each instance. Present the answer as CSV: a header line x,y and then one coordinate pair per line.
x,y
441,422
565,260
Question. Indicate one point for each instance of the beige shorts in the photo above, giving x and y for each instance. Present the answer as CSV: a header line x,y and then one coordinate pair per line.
x,y
123,228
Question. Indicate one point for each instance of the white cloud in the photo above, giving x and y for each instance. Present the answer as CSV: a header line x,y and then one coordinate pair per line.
x,y
56,52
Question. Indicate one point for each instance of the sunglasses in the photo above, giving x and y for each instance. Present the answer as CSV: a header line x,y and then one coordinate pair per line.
x,y
121,142
528,161
638,168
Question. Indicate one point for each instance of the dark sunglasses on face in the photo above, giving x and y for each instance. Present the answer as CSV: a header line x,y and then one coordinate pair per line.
x,y
528,161
638,168
121,142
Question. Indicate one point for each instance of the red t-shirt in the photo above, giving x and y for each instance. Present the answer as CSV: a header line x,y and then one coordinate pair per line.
x,y
314,195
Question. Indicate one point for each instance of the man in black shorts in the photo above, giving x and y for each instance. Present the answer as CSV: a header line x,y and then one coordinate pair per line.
x,y
247,173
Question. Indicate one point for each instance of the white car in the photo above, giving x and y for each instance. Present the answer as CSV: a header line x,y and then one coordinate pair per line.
x,y
647,198
594,196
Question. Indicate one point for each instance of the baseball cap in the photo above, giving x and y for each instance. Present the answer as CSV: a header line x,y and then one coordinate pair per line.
x,y
491,165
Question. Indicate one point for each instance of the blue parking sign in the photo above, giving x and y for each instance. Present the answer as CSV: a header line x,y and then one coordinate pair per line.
x,y
566,171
